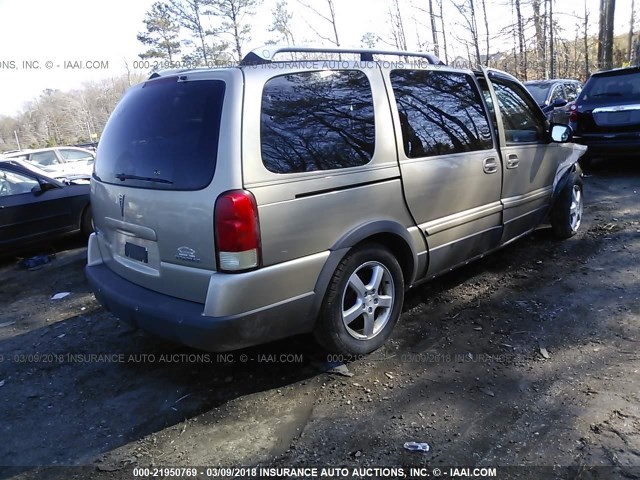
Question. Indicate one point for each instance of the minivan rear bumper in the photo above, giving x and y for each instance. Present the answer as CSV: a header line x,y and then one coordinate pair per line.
x,y
183,322
279,313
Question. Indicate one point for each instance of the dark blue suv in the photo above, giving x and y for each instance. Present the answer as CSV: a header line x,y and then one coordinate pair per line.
x,y
606,115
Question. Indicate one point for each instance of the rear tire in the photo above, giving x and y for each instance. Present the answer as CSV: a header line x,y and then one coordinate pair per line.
x,y
566,214
363,302
86,222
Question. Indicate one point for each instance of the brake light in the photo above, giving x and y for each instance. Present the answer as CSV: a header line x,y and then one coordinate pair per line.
x,y
237,231
573,113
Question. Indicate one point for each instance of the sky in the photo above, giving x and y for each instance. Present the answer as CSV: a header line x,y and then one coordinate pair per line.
x,y
62,44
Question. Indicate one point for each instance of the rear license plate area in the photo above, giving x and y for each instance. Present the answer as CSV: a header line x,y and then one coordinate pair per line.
x,y
136,252
619,117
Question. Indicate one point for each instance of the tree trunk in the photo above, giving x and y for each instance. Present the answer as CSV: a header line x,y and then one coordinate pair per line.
x,y
552,48
608,51
444,34
630,39
587,70
601,32
521,48
434,32
540,50
486,29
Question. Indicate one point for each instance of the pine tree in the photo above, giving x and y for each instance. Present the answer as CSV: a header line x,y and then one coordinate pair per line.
x,y
162,34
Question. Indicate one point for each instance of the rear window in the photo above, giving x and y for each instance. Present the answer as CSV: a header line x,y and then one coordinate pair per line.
x,y
163,135
605,88
538,92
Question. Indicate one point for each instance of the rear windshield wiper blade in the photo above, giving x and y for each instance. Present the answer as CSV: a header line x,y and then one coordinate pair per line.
x,y
124,176
608,94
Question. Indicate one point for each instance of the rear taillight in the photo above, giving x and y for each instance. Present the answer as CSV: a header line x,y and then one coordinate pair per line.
x,y
237,231
573,113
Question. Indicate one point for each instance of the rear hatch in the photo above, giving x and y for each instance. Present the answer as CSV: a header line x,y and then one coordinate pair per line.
x,y
610,104
157,175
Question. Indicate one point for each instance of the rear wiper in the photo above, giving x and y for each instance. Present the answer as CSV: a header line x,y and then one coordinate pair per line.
x,y
608,94
124,176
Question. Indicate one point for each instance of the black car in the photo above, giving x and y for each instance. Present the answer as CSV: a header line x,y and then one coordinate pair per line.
x,y
35,207
555,96
606,115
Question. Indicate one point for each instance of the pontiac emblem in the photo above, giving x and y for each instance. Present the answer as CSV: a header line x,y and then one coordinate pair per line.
x,y
121,203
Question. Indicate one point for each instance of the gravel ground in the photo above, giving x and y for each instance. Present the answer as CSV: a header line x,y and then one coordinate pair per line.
x,y
529,357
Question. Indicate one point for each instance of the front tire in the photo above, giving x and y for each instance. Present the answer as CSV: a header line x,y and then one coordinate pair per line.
x,y
363,302
566,215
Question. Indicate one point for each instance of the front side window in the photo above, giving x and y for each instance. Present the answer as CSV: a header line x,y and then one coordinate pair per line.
x,y
317,121
12,183
521,125
440,113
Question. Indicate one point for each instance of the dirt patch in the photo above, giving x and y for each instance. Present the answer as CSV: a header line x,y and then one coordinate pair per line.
x,y
528,357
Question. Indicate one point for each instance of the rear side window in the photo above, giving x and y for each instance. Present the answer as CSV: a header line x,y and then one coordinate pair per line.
x,y
163,135
440,113
317,121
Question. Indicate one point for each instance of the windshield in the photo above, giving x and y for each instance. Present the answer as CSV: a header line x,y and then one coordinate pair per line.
x,y
539,92
163,135
618,86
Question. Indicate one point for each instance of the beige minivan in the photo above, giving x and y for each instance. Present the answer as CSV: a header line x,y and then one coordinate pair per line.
x,y
236,206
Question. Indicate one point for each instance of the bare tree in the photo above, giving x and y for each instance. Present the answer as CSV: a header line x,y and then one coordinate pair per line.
x,y
434,32
630,37
329,18
282,22
522,51
552,52
232,14
189,13
397,26
605,37
587,70
467,10
369,40
444,34
486,29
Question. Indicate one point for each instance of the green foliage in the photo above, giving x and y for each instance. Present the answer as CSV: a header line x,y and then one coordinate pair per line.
x,y
162,33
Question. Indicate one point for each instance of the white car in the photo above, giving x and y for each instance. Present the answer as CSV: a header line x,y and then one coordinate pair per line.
x,y
58,162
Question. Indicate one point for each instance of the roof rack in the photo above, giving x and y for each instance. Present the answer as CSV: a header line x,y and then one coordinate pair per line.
x,y
264,55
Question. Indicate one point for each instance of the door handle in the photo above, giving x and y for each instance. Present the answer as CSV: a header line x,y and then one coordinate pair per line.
x,y
513,161
489,165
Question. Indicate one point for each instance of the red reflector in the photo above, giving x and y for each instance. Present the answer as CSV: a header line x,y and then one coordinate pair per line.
x,y
236,224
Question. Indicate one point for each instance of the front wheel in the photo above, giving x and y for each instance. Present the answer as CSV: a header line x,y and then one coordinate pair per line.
x,y
363,302
566,215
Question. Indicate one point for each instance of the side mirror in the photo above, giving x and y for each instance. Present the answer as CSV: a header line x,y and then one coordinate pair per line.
x,y
559,102
560,133
43,186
